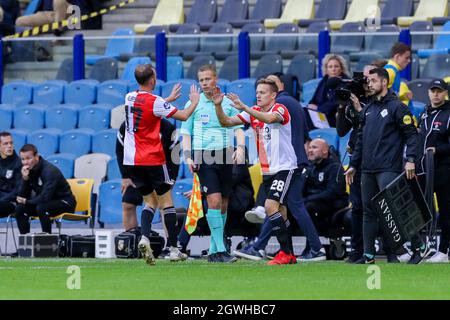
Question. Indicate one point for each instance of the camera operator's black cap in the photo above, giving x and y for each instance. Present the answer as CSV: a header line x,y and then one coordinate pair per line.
x,y
438,83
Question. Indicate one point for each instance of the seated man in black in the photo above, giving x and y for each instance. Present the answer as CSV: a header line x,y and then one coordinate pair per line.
x,y
10,176
324,191
44,191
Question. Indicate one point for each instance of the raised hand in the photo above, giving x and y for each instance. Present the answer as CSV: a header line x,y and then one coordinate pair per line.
x,y
194,95
217,96
175,94
237,103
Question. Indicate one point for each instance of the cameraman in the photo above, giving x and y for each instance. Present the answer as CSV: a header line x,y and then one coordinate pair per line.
x,y
387,126
348,117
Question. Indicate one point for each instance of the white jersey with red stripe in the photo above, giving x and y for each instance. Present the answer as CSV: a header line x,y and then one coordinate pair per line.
x,y
273,141
142,143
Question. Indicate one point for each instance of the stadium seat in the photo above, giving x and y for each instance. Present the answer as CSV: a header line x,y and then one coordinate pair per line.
x,y
303,67
130,67
294,11
419,88
202,12
65,162
426,10
308,89
19,138
328,134
381,44
94,166
105,142
116,46
192,71
232,10
438,21
245,89
29,117
283,45
394,9
417,109
437,66
181,186
421,41
167,12
358,11
112,92
110,202
49,92
185,89
308,43
230,68
175,68
65,70
219,46
441,46
18,92
145,47
366,59
76,141
133,86
45,140
415,66
327,10
268,64
113,170
263,9
346,44
32,7
222,84
104,69
82,92
117,116
343,155
6,116
189,44
94,116
63,117
256,42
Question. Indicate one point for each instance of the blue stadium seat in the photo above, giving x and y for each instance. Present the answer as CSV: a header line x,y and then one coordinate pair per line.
x,y
327,10
202,12
232,10
104,69
65,70
396,8
181,186
286,46
308,43
145,46
437,66
105,142
196,63
113,170
19,138
45,140
110,202
185,89
256,42
303,66
175,69
328,134
96,117
343,141
182,45
65,162
441,46
415,66
212,45
309,87
268,64
63,116
133,86
263,9
245,89
344,44
230,68
76,141
49,92
112,92
32,7
421,41
29,117
128,72
381,44
222,84
18,92
82,92
417,109
116,46
6,116
419,88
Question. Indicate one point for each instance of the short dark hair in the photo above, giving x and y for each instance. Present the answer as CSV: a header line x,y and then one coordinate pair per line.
x,y
143,73
5,134
29,147
380,72
270,83
400,48
208,67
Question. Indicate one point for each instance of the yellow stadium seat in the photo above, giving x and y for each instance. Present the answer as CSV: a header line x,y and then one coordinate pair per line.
x,y
426,10
359,11
294,10
167,12
256,176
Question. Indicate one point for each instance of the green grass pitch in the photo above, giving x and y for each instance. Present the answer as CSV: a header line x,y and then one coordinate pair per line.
x,y
198,279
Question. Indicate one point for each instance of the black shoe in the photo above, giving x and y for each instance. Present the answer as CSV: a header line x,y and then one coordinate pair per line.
x,y
225,257
392,258
365,260
353,257
213,257
227,242
419,255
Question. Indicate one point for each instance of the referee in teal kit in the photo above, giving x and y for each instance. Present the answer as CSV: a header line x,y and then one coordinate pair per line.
x,y
208,150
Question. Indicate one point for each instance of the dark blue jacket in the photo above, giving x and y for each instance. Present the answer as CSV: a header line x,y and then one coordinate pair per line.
x,y
387,126
11,10
298,125
10,177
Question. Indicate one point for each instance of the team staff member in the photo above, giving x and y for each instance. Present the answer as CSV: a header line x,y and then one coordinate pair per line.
x,y
52,193
435,135
387,128
213,156
400,58
10,175
144,155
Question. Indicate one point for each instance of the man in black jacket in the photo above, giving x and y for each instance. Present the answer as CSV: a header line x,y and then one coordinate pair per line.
x,y
435,136
52,194
387,128
10,176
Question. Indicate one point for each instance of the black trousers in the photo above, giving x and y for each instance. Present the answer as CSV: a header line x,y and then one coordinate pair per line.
x,y
357,215
44,211
6,208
